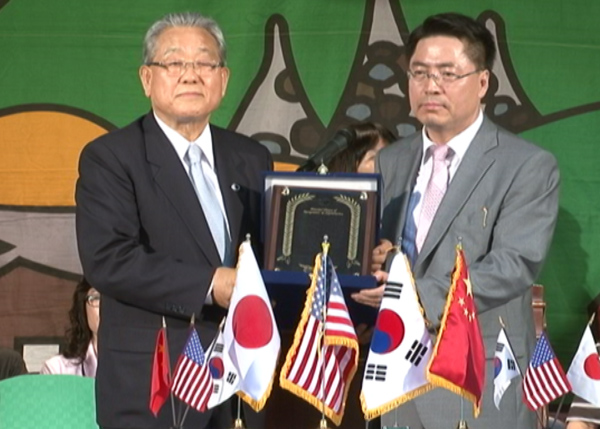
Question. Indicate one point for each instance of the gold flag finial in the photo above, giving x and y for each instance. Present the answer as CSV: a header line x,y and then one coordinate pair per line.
x,y
325,245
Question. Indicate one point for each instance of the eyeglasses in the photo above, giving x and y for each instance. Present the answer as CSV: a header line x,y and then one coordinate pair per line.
x,y
177,68
93,300
419,76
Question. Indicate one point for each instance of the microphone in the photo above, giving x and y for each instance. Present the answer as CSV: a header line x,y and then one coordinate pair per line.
x,y
338,143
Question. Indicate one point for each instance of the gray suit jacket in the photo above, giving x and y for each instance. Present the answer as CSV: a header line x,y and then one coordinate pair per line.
x,y
502,204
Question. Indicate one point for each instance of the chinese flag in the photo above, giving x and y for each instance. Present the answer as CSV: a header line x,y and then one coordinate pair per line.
x,y
160,384
458,362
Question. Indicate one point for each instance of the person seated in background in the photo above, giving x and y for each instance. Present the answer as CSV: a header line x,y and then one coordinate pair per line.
x,y
359,156
11,363
79,356
583,415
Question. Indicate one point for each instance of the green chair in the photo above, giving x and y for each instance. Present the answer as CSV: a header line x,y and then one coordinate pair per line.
x,y
47,402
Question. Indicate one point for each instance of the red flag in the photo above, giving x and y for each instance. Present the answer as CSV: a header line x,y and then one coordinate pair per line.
x,y
545,379
160,384
458,362
321,373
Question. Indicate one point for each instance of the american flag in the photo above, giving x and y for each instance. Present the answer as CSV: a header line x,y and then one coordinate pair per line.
x,y
545,379
192,382
323,377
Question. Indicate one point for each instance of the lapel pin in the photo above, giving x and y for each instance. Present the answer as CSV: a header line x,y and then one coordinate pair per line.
x,y
235,187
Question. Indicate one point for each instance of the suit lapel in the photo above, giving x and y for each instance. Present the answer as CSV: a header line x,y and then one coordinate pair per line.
x,y
229,166
172,179
409,162
477,161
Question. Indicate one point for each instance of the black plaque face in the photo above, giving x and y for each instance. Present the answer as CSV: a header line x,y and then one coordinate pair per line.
x,y
301,217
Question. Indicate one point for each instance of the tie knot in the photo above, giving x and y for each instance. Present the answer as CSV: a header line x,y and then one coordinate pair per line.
x,y
440,152
194,154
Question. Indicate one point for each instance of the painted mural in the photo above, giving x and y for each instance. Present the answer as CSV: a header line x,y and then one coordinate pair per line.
x,y
300,71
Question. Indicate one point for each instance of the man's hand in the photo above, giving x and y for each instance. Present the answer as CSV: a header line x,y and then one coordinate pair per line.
x,y
223,284
370,297
380,254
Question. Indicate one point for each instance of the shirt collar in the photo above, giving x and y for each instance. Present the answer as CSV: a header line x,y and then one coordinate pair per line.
x,y
459,143
181,144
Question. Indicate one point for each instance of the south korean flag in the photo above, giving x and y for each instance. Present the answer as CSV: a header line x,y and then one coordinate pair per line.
x,y
226,380
401,346
505,367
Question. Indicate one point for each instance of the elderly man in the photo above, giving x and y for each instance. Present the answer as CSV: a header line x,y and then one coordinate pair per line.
x,y
463,179
162,206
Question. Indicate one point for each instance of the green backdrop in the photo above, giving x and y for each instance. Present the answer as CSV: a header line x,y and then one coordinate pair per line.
x,y
85,55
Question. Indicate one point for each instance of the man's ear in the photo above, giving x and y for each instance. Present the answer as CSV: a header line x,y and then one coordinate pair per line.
x,y
484,82
225,79
145,74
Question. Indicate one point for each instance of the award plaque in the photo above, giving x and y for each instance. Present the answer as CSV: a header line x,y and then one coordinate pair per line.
x,y
300,213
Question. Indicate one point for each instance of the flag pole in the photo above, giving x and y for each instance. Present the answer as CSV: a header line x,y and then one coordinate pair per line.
x,y
187,407
560,404
325,249
462,423
510,345
239,423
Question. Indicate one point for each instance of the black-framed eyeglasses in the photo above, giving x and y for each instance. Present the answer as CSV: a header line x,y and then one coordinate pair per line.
x,y
420,76
93,300
177,68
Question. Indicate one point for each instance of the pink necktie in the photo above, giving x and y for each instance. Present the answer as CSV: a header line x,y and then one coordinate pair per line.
x,y
436,188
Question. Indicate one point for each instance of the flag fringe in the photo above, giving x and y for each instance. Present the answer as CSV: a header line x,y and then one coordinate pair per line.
x,y
434,379
341,341
302,325
438,381
394,403
303,394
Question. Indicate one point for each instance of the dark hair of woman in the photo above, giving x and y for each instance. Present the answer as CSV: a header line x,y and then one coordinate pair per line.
x,y
367,135
78,334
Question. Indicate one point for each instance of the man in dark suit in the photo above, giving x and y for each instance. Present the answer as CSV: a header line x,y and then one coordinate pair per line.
x,y
147,239
490,190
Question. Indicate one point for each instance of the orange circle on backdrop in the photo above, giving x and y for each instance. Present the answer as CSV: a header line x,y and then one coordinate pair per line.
x,y
40,151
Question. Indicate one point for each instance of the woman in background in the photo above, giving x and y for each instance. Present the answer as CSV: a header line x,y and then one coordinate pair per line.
x,y
359,156
79,356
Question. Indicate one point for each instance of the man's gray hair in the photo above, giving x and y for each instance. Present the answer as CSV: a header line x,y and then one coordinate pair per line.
x,y
184,19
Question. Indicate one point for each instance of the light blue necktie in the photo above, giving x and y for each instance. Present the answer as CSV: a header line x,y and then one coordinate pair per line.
x,y
207,195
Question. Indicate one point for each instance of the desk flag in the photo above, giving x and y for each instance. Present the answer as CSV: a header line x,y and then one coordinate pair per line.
x,y
324,355
401,346
506,367
458,362
545,378
251,336
192,382
160,384
226,380
584,373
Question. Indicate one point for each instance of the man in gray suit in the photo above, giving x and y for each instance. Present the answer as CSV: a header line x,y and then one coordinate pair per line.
x,y
497,195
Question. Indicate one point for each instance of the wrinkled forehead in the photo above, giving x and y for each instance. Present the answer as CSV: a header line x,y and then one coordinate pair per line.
x,y
186,40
